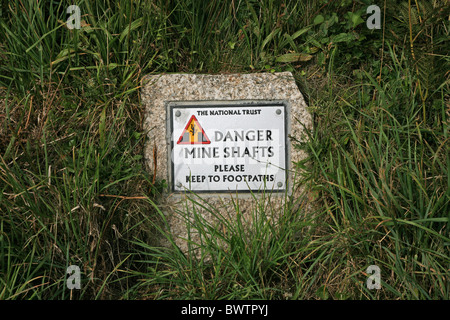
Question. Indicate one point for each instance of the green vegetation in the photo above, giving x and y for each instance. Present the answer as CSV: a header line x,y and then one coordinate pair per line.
x,y
75,189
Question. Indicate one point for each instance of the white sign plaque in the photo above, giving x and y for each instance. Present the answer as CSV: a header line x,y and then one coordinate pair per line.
x,y
228,146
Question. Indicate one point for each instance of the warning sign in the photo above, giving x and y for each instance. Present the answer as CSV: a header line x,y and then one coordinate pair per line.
x,y
233,146
193,133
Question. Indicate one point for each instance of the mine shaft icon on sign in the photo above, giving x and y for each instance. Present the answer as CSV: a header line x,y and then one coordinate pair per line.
x,y
193,133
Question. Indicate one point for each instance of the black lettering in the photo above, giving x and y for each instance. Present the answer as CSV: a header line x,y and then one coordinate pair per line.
x,y
260,135
206,153
235,151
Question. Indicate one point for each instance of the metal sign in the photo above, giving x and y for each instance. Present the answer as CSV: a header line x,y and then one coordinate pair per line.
x,y
228,146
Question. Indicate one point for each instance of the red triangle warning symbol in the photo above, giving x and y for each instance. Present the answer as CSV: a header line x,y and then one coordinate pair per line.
x,y
193,133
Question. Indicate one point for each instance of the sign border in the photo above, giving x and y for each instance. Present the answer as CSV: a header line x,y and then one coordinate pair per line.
x,y
170,105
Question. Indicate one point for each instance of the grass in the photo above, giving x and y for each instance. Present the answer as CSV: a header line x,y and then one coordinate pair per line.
x,y
75,189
